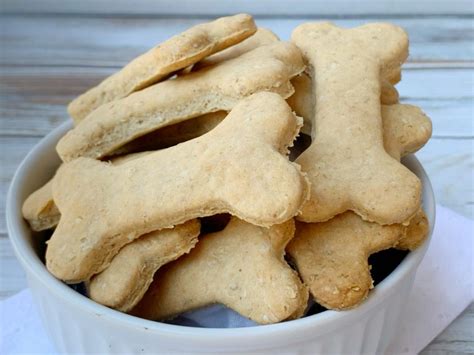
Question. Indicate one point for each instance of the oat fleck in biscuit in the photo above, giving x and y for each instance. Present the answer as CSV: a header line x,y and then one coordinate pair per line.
x,y
241,267
174,54
241,167
216,88
131,271
346,164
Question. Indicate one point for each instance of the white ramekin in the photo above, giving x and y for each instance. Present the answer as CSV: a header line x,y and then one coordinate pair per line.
x,y
76,324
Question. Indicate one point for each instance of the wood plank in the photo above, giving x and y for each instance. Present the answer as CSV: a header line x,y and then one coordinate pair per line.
x,y
263,7
112,42
34,99
13,149
449,164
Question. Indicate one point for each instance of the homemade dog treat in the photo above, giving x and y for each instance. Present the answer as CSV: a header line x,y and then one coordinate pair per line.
x,y
240,167
131,271
346,164
260,38
267,68
405,129
40,210
241,267
331,257
176,53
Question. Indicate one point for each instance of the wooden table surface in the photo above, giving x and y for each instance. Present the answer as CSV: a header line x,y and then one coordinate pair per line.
x,y
46,60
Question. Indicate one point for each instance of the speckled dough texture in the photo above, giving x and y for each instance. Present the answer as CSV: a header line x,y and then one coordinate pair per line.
x,y
332,257
302,100
241,167
40,210
346,164
131,271
216,88
176,53
241,267
406,129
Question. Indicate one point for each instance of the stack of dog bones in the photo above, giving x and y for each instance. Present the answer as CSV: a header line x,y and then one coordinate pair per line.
x,y
177,189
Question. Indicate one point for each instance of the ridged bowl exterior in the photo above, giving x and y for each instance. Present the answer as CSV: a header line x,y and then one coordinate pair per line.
x,y
78,325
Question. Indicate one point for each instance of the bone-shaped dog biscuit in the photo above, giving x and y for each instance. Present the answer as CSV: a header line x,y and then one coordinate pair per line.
x,y
346,164
241,267
176,53
406,129
332,257
260,38
40,210
240,167
267,68
131,271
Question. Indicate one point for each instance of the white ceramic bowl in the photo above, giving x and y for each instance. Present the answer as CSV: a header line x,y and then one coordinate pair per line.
x,y
78,324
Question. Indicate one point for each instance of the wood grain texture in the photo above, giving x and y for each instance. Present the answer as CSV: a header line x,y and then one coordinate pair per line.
x,y
217,7
45,61
112,42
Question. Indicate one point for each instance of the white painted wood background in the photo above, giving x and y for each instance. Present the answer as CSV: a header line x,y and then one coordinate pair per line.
x,y
48,56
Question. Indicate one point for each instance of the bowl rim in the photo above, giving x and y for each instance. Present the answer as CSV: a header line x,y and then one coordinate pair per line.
x,y
34,267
